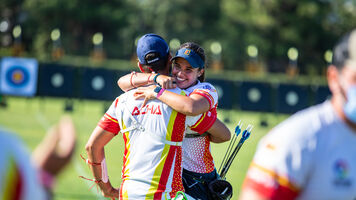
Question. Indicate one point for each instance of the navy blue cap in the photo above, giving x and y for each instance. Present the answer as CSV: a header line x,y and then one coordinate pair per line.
x,y
193,58
151,43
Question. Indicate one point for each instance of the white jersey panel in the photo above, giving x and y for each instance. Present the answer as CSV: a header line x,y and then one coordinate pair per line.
x,y
315,151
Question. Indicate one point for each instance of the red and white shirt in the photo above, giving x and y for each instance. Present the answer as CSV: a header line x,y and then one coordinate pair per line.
x,y
312,155
197,151
153,154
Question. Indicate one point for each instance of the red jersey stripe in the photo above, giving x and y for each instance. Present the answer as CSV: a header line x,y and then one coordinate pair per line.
x,y
281,188
165,173
205,94
178,128
109,125
277,192
205,122
19,185
177,176
177,135
126,138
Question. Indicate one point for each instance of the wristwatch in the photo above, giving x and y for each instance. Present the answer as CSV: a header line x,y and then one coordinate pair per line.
x,y
157,90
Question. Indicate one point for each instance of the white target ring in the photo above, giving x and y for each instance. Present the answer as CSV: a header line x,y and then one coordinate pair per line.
x,y
98,83
254,95
57,80
292,98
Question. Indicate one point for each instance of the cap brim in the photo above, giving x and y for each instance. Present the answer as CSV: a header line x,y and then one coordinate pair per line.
x,y
192,61
189,59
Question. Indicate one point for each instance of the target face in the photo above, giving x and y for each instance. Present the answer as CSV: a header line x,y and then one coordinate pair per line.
x,y
18,76
98,84
57,80
291,98
255,96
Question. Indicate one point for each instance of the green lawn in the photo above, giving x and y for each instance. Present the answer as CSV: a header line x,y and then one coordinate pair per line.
x,y
30,118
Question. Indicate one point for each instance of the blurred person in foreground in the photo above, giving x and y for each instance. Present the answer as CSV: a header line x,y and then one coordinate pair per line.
x,y
153,135
55,152
18,177
312,155
21,178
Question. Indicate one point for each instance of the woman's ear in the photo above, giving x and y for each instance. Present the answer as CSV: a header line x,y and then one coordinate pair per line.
x,y
201,72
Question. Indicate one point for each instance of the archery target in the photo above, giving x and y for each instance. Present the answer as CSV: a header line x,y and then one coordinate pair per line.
x,y
18,76
291,98
98,84
255,96
57,80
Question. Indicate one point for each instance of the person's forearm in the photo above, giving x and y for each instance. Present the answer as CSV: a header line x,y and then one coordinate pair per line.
x,y
95,150
184,104
97,170
215,139
96,155
133,80
219,132
95,158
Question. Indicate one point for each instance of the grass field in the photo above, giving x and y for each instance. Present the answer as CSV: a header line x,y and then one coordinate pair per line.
x,y
30,118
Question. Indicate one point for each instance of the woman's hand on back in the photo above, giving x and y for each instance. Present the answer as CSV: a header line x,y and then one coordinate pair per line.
x,y
146,93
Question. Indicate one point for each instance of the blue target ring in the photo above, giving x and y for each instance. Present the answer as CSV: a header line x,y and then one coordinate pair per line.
x,y
17,76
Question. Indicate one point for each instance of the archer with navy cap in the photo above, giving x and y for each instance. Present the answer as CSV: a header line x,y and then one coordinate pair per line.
x,y
152,53
311,155
154,62
188,69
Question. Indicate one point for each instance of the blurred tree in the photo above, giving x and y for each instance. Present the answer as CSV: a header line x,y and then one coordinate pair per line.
x,y
273,26
276,25
183,19
79,21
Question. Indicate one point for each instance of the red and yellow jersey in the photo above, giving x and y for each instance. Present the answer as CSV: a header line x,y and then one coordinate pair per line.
x,y
152,162
309,156
196,151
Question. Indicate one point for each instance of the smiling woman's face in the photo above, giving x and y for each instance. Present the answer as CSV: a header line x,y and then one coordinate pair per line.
x,y
186,76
